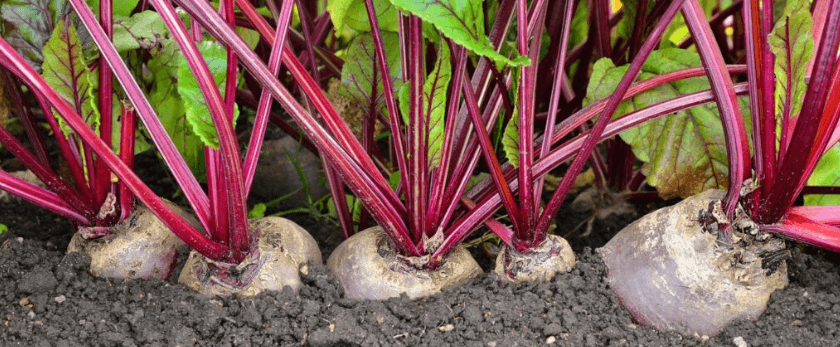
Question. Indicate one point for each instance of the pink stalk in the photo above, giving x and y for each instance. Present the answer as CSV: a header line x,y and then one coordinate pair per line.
x,y
388,91
766,91
102,183
234,184
189,185
804,230
40,197
47,176
820,214
633,70
527,213
261,119
765,156
311,87
733,124
36,135
441,174
556,88
492,161
127,141
811,127
486,205
356,175
417,139
174,222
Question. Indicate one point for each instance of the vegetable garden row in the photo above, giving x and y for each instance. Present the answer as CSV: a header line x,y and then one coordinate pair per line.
x,y
435,120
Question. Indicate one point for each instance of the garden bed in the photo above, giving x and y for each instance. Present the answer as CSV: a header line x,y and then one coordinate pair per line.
x,y
48,299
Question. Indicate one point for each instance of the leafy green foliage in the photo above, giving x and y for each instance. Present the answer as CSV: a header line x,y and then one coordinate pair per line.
x,y
169,106
65,71
142,30
683,153
120,8
825,174
3,228
579,27
462,21
510,137
195,106
792,43
34,23
434,100
258,211
358,74
354,14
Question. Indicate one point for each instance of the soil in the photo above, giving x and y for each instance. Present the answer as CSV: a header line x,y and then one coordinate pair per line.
x,y
47,298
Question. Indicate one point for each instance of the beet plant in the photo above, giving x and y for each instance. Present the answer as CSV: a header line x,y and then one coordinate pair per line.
x,y
717,256
232,255
436,132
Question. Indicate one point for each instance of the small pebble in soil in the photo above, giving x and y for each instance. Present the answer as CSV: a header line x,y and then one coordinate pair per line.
x,y
551,340
60,299
446,328
739,341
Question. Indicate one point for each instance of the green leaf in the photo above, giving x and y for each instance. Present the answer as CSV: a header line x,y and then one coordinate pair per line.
x,y
403,97
435,90
120,8
462,21
169,106
510,138
683,153
358,75
142,30
338,10
257,212
198,115
353,204
251,37
792,43
580,26
65,71
34,23
394,179
825,174
353,13
3,228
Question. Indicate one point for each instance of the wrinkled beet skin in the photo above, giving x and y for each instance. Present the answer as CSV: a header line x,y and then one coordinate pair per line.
x,y
284,250
140,246
672,275
368,268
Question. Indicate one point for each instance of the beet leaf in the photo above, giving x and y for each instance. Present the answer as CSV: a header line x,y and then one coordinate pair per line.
x,y
197,114
684,153
359,74
825,174
792,43
34,21
461,21
65,70
353,14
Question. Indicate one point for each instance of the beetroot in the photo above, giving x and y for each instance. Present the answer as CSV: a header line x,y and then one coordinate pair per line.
x,y
674,270
284,251
367,267
140,246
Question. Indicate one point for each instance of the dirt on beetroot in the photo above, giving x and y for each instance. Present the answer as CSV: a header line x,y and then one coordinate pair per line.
x,y
49,299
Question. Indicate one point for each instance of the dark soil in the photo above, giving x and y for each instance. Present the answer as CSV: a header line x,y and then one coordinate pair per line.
x,y
49,299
